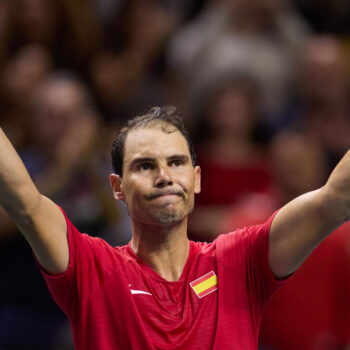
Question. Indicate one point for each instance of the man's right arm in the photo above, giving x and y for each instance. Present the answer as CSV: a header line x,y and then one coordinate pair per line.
x,y
39,219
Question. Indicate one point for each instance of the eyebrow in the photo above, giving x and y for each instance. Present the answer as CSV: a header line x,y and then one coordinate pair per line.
x,y
140,160
137,161
182,157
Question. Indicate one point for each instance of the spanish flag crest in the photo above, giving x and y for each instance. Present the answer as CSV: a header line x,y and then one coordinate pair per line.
x,y
205,285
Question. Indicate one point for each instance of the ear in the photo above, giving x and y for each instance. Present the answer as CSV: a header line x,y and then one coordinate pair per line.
x,y
117,187
197,179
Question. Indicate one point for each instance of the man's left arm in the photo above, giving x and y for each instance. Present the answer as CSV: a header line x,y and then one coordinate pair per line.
x,y
304,222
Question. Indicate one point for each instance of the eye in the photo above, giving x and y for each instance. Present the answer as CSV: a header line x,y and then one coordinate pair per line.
x,y
146,166
177,162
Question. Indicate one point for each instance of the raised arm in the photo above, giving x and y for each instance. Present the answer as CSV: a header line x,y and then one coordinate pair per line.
x,y
38,218
304,222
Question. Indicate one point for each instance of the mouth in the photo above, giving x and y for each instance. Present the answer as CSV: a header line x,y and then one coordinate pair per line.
x,y
167,194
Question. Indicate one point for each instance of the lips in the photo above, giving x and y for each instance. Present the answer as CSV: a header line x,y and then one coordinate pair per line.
x,y
167,195
157,194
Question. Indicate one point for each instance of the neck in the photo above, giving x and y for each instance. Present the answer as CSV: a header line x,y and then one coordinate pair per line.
x,y
164,249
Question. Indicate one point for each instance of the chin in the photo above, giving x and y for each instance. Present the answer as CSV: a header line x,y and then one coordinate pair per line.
x,y
168,219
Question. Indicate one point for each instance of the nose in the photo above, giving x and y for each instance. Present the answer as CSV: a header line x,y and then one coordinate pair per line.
x,y
163,177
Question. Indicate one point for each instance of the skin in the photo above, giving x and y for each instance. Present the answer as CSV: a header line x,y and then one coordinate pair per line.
x,y
160,222
305,221
37,217
158,185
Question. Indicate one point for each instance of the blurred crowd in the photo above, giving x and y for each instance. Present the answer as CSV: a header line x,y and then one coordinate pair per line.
x,y
263,86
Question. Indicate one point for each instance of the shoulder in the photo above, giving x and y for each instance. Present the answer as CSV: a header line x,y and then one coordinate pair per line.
x,y
244,243
87,250
248,233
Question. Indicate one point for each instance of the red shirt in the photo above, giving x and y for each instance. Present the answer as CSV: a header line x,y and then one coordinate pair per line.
x,y
311,311
115,301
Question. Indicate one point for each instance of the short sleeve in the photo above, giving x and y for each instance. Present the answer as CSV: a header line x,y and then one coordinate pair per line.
x,y
85,270
245,253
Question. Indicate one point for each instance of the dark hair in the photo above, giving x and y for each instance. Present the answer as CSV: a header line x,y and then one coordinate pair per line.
x,y
157,115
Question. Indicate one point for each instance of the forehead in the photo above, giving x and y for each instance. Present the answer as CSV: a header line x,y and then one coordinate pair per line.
x,y
154,142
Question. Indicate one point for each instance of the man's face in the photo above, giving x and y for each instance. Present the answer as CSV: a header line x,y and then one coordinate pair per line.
x,y
159,180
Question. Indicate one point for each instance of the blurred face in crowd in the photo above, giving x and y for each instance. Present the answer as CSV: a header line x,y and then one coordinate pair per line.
x,y
24,72
322,73
147,24
159,180
58,103
299,162
232,112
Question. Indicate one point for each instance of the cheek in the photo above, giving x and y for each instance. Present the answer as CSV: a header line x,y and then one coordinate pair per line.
x,y
188,183
136,207
134,192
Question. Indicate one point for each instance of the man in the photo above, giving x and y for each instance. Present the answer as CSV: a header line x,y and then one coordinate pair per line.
x,y
162,291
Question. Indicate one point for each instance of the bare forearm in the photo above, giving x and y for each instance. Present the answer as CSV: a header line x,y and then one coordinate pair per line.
x,y
298,228
18,194
39,219
304,222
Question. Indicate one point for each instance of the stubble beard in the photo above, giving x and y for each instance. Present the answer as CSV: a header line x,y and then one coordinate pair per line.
x,y
166,219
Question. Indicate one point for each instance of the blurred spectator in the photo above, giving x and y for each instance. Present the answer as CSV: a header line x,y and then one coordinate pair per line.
x,y
322,73
127,80
291,154
65,127
85,34
321,104
66,28
19,78
256,37
232,161
311,310
61,160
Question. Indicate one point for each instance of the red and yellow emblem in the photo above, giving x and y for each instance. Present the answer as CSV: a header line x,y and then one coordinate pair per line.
x,y
205,285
